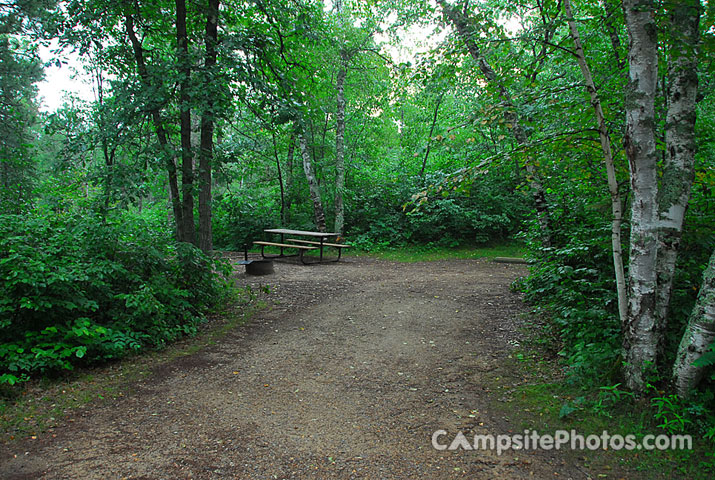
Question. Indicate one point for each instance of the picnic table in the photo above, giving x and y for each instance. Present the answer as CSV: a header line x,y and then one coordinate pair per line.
x,y
318,241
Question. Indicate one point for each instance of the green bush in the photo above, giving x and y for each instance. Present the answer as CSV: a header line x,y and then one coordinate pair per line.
x,y
240,219
76,290
487,210
572,284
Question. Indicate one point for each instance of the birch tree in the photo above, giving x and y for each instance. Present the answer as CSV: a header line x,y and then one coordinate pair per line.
x,y
679,161
699,335
340,128
640,340
318,212
605,140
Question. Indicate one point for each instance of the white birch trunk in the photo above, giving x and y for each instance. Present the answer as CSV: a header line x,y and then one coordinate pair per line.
x,y
616,206
640,342
679,165
312,185
699,335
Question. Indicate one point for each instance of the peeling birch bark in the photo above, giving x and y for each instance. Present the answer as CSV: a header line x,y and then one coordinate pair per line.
x,y
312,185
679,164
699,335
640,342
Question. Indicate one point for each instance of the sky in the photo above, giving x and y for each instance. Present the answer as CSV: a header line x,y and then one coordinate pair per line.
x,y
61,80
70,78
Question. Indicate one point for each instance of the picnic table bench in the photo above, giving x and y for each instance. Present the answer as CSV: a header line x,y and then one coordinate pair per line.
x,y
302,246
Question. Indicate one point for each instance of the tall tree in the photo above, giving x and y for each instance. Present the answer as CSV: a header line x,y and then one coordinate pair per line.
x,y
188,231
679,162
344,58
151,83
605,140
207,129
468,36
340,144
640,339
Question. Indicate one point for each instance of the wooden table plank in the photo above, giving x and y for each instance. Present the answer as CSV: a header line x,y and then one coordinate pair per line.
x,y
286,231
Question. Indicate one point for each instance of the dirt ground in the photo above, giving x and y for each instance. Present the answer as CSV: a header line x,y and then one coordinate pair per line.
x,y
346,375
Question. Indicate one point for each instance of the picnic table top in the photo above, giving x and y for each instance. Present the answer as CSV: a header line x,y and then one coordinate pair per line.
x,y
306,233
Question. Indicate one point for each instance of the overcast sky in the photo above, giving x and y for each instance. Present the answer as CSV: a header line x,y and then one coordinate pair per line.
x,y
60,80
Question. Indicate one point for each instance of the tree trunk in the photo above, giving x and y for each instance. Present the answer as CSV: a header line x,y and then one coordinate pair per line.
x,y
429,138
280,178
465,32
679,164
289,178
640,342
340,146
616,206
312,185
699,335
162,137
187,159
207,133
610,26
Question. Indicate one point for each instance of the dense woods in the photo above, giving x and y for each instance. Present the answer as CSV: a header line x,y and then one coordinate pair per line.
x,y
585,130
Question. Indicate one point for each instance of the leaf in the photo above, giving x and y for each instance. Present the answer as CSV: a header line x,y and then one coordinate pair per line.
x,y
566,410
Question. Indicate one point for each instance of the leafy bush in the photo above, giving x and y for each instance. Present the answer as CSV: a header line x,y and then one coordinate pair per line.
x,y
76,290
484,211
240,219
572,285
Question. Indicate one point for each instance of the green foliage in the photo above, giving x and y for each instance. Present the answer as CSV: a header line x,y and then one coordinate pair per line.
x,y
670,411
487,211
240,219
573,286
77,290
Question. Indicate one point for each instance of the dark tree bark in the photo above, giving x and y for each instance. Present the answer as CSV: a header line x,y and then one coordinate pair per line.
x,y
429,138
187,158
280,178
157,120
207,132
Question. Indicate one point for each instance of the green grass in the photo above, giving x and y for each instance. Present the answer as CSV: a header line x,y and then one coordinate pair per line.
x,y
533,394
417,253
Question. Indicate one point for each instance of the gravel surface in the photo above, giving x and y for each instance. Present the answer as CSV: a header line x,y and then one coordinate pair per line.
x,y
346,375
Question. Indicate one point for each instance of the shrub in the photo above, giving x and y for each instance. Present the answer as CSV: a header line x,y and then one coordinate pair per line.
x,y
78,289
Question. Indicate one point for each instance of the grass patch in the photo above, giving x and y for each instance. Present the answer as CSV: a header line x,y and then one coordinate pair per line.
x,y
420,253
413,253
33,408
533,394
